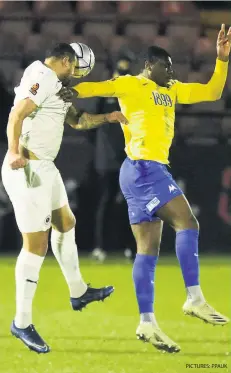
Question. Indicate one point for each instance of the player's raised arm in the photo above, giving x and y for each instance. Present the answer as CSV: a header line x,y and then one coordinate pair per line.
x,y
14,128
80,120
116,87
195,92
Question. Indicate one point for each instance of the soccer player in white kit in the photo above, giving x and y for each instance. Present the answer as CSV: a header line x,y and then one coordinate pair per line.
x,y
35,187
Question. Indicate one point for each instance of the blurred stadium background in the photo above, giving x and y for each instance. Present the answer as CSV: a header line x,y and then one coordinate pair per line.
x,y
200,156
89,163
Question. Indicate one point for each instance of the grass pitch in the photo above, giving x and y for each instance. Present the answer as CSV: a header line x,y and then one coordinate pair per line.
x,y
101,339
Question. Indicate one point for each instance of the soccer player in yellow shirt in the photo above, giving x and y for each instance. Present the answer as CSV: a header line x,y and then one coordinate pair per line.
x,y
153,197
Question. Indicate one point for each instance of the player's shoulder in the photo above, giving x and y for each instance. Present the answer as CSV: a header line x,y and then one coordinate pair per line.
x,y
144,82
124,79
37,70
127,82
173,85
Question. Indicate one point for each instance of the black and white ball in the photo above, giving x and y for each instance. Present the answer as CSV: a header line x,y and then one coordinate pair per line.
x,y
86,59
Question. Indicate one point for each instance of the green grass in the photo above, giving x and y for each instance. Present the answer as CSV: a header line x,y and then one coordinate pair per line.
x,y
101,339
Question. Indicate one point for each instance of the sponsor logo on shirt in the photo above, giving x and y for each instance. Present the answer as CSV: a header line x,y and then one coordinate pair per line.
x,y
34,89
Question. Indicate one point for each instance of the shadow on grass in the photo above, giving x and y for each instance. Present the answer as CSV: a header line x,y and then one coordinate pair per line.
x,y
104,352
134,352
94,338
200,354
205,340
132,339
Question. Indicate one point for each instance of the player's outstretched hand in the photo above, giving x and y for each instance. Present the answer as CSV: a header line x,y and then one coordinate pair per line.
x,y
66,94
17,161
116,116
223,44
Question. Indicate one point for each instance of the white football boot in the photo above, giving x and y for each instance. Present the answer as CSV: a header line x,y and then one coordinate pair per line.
x,y
147,332
204,312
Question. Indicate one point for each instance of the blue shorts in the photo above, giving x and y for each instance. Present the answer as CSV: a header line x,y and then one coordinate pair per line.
x,y
146,186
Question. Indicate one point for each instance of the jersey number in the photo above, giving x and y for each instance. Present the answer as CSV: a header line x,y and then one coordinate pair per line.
x,y
161,99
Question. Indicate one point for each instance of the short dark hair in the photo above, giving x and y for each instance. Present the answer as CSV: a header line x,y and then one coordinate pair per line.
x,y
152,54
156,53
61,50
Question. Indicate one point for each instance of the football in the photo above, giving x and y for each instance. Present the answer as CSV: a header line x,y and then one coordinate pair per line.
x,y
86,59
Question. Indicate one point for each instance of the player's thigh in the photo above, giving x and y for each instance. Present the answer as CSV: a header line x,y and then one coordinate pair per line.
x,y
154,193
62,217
30,194
146,186
148,236
178,213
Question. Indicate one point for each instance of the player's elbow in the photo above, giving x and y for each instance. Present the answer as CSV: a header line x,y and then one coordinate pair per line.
x,y
210,92
216,95
78,127
212,96
80,123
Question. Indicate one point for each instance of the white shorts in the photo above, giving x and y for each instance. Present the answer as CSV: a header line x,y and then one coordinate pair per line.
x,y
35,191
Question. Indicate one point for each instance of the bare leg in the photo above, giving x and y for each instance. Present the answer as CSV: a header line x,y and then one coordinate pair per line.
x,y
148,237
178,214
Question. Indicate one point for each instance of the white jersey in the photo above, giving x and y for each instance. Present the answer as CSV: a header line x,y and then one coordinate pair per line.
x,y
42,131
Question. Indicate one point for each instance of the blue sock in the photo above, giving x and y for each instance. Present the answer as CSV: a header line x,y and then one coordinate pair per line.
x,y
143,278
187,254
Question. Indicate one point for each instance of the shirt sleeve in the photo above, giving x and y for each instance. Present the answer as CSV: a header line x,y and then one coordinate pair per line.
x,y
38,88
117,87
191,93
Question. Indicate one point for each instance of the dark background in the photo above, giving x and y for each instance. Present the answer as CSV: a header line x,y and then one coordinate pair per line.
x,y
201,153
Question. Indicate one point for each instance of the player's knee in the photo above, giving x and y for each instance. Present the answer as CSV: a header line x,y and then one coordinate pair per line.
x,y
148,250
38,250
68,224
188,222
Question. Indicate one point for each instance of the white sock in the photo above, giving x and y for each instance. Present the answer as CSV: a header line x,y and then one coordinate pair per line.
x,y
148,317
65,250
26,274
195,294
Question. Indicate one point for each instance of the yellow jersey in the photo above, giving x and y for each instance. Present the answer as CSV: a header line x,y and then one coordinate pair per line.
x,y
150,109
